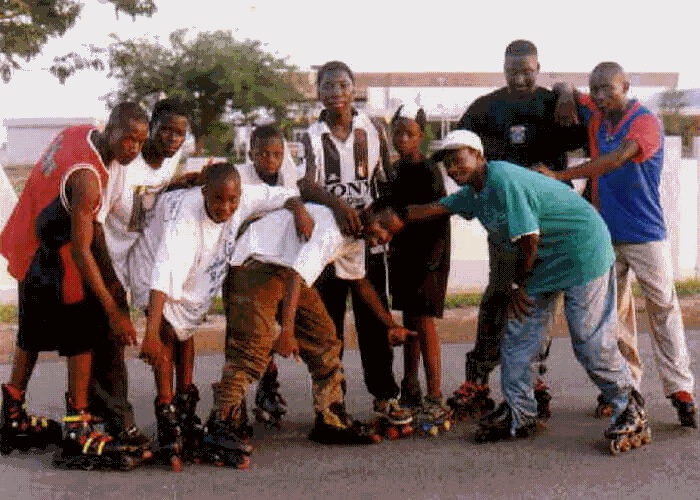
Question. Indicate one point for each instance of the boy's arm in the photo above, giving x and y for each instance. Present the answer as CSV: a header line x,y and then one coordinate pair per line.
x,y
602,165
85,198
520,303
303,221
364,289
152,351
287,344
416,213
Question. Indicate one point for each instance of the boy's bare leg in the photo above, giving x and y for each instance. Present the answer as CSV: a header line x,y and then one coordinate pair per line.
x,y
410,385
430,348
184,364
22,367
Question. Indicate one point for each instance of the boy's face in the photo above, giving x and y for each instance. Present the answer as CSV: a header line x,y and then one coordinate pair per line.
x,y
267,156
521,73
335,90
222,199
462,164
169,134
406,136
125,140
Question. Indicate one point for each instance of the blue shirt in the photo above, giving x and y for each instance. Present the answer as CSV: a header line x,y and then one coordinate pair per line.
x,y
575,245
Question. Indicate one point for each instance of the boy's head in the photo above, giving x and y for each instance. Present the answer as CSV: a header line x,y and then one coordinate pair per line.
x,y
222,191
168,126
521,66
125,132
267,151
336,86
462,153
609,86
380,226
407,126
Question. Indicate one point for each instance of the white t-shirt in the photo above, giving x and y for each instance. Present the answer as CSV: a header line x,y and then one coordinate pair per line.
x,y
273,239
183,253
132,191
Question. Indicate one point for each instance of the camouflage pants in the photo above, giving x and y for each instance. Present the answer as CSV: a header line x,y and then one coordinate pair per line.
x,y
253,295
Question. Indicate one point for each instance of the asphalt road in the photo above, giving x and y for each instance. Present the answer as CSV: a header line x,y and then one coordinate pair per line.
x,y
568,460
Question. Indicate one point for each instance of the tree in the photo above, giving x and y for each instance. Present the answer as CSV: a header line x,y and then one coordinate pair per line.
x,y
213,73
26,26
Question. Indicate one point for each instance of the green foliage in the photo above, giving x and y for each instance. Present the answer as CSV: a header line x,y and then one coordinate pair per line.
x,y
212,72
459,300
25,27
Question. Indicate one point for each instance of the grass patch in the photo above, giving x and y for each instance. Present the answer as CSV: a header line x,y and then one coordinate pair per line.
x,y
8,313
457,300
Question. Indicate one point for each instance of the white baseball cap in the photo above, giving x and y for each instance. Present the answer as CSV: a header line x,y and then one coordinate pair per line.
x,y
458,139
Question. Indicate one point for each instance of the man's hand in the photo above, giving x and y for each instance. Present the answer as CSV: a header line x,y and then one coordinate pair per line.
x,y
399,335
565,110
287,345
520,304
348,219
544,170
121,328
153,352
303,222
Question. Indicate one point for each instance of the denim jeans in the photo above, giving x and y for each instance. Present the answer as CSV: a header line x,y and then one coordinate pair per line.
x,y
591,315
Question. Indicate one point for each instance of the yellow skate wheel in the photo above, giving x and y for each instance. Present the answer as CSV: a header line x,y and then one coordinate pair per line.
x,y
433,431
447,425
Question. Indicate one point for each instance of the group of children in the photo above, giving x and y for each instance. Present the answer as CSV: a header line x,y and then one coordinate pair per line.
x,y
104,224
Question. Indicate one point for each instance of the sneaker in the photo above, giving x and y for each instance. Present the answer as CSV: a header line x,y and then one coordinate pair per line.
x,y
134,439
434,410
393,411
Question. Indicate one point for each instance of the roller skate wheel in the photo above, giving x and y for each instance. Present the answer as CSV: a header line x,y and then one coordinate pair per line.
x,y
433,431
392,433
446,425
376,438
636,441
147,455
646,436
615,447
406,430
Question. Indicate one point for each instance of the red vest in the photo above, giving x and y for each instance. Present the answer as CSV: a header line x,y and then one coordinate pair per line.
x,y
71,149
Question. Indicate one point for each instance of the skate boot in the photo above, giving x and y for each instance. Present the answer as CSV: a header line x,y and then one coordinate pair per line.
x,y
334,426
392,421
132,439
270,406
224,443
497,425
435,417
411,397
685,406
190,424
603,409
470,400
543,398
84,447
170,439
630,429
20,430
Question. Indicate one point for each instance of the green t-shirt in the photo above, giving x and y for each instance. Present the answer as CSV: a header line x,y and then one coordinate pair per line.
x,y
575,245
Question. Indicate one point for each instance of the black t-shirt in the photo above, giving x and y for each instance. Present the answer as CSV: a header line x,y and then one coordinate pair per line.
x,y
521,128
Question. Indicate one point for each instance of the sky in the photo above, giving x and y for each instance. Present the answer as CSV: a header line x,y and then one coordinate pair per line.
x,y
380,35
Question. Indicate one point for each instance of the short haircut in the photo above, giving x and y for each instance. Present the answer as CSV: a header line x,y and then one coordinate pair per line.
x,y
219,173
333,66
166,107
263,133
609,67
124,112
521,48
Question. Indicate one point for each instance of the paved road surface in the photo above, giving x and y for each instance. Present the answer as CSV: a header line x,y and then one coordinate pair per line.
x,y
569,460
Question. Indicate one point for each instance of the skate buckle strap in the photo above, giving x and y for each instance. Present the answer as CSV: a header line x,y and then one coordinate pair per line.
x,y
74,419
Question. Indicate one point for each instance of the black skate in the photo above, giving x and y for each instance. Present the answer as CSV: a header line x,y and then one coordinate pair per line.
x,y
190,424
685,406
470,400
497,426
170,440
22,431
84,447
270,406
630,429
393,421
224,443
543,398
335,426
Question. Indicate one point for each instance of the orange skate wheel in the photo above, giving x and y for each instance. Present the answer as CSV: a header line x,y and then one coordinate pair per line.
x,y
176,464
406,430
392,433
